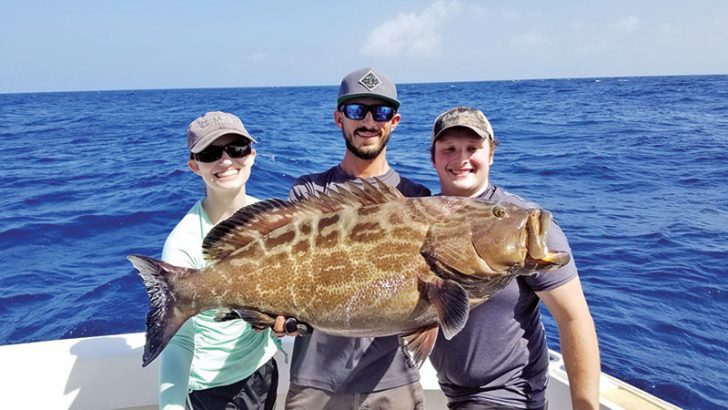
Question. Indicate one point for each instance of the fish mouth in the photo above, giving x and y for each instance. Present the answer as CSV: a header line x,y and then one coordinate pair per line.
x,y
552,260
539,257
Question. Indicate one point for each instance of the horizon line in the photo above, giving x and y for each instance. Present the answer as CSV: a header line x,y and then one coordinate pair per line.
x,y
336,85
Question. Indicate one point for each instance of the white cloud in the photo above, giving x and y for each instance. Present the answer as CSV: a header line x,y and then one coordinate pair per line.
x,y
721,24
411,34
257,57
530,40
625,25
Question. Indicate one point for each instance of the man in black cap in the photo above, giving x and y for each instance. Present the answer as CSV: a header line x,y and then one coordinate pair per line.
x,y
337,372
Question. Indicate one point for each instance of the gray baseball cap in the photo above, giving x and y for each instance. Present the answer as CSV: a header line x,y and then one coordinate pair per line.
x,y
467,117
205,130
367,82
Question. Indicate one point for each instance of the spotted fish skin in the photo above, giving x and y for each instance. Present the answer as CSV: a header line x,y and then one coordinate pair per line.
x,y
357,262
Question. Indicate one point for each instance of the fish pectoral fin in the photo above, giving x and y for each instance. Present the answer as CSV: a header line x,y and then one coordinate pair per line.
x,y
417,345
450,301
449,249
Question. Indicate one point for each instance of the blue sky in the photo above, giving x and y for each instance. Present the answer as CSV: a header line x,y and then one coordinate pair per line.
x,y
133,44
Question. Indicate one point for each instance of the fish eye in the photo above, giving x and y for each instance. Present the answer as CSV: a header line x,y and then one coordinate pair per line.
x,y
499,211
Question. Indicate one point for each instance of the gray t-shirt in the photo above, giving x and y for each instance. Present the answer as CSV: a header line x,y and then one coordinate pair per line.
x,y
344,364
501,357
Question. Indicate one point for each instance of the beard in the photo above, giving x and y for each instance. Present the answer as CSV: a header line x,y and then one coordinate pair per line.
x,y
368,153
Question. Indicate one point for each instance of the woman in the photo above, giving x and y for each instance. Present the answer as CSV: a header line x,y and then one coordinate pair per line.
x,y
210,364
500,359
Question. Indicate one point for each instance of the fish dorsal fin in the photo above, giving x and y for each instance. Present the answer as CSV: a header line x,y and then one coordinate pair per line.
x,y
257,220
350,194
244,226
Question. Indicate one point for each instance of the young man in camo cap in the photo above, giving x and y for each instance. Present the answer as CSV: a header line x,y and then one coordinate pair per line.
x,y
337,372
500,358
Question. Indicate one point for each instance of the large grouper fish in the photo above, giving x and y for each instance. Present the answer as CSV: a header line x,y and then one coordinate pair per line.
x,y
361,261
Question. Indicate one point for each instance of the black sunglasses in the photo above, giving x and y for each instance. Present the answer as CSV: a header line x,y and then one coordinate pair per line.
x,y
214,152
355,111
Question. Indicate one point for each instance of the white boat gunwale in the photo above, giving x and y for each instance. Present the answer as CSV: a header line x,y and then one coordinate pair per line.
x,y
105,372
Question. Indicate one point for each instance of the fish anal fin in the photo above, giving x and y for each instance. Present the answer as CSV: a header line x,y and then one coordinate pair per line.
x,y
417,345
450,301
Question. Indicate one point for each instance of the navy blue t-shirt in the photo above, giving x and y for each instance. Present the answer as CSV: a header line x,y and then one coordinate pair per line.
x,y
349,364
501,357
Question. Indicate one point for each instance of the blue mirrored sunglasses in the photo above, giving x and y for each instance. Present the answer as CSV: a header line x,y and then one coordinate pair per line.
x,y
214,152
380,113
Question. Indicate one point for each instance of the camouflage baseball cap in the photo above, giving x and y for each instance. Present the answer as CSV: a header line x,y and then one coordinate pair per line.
x,y
367,82
467,117
205,130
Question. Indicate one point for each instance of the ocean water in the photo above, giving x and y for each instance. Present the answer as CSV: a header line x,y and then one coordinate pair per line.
x,y
634,169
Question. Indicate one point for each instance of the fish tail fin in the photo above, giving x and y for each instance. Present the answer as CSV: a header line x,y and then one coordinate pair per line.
x,y
163,319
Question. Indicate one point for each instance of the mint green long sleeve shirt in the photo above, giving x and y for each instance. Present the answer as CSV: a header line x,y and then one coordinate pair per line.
x,y
205,353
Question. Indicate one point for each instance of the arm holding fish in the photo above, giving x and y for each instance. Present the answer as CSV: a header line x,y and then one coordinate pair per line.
x,y
578,341
280,327
577,334
288,326
174,373
176,358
